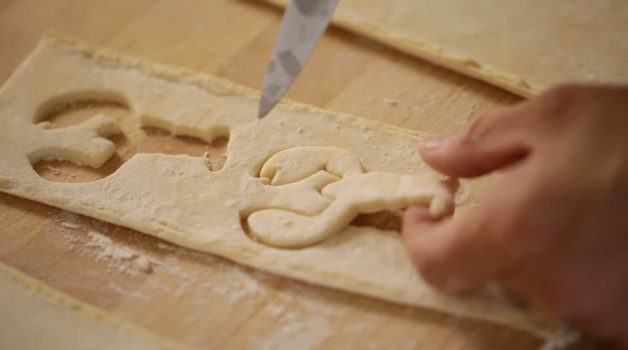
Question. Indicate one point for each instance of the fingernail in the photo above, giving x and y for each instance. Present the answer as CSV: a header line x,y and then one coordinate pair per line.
x,y
432,143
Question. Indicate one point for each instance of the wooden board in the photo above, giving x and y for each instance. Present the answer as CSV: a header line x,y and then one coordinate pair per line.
x,y
61,322
196,299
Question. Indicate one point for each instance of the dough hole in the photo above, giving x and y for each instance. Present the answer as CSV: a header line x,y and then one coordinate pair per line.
x,y
381,220
131,141
385,221
161,141
58,105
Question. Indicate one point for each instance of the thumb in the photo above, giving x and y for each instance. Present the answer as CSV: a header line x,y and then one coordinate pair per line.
x,y
489,143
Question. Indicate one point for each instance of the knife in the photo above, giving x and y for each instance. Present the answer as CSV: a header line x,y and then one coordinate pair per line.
x,y
303,24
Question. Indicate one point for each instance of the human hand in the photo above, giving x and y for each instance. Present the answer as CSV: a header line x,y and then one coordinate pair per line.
x,y
553,229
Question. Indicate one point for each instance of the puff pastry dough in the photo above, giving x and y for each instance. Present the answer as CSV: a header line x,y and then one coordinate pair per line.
x,y
521,46
311,167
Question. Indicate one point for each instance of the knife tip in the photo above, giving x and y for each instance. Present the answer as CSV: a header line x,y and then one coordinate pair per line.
x,y
264,107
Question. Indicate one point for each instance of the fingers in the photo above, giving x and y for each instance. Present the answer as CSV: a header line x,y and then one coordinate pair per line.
x,y
459,254
543,229
491,142
451,254
479,244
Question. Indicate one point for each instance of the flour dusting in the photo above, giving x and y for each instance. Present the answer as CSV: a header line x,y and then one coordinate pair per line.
x,y
108,249
240,287
71,226
302,316
117,257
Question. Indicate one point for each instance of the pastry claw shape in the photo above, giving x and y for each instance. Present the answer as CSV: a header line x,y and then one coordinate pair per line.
x,y
350,191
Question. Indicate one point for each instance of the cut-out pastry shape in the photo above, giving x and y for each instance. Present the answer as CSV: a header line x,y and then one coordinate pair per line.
x,y
84,143
334,176
316,168
131,139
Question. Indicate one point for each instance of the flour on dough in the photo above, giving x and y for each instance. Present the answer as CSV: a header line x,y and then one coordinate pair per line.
x,y
283,182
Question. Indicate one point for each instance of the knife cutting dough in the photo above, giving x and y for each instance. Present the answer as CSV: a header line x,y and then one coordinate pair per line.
x,y
339,171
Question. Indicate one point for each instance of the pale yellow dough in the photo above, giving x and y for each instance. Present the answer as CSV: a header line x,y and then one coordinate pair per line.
x,y
334,177
521,46
298,169
35,316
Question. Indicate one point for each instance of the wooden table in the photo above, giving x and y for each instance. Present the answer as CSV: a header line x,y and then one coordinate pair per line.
x,y
196,299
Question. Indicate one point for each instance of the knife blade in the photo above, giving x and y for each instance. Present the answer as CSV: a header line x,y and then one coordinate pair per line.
x,y
303,24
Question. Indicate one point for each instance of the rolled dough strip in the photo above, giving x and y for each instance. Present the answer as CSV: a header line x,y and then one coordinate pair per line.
x,y
521,46
178,198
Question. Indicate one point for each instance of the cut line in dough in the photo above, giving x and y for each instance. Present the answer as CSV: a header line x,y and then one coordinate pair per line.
x,y
131,139
178,199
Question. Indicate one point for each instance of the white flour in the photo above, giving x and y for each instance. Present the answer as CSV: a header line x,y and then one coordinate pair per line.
x,y
71,226
302,318
107,249
117,256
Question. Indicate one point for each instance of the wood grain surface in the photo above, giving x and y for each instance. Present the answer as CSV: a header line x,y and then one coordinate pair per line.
x,y
196,299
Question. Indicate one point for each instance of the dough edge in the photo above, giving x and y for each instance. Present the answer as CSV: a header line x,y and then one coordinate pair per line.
x,y
538,326
432,53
